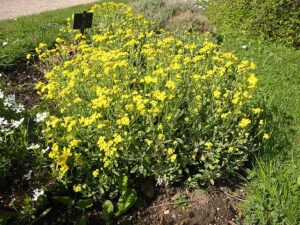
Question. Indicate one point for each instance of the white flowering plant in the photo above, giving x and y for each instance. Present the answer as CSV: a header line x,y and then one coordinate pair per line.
x,y
12,132
18,142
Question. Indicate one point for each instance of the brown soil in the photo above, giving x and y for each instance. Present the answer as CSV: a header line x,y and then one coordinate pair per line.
x,y
188,207
20,80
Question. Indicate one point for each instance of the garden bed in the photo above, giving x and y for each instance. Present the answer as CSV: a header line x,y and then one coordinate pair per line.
x,y
169,205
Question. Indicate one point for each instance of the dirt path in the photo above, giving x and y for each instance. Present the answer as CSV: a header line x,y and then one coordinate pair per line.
x,y
10,9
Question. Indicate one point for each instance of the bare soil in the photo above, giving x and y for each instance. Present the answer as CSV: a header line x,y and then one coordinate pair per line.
x,y
181,206
20,80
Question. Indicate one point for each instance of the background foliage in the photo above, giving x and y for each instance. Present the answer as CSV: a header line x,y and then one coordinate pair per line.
x,y
275,19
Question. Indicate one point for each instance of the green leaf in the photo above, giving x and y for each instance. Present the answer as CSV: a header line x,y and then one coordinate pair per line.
x,y
82,220
298,181
179,140
122,182
66,200
108,207
126,201
3,221
85,203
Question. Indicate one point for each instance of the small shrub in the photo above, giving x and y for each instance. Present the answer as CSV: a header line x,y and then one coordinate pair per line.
x,y
126,101
174,15
190,21
278,20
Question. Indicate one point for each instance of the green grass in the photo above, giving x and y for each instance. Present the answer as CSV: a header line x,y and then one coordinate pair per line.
x,y
273,192
25,33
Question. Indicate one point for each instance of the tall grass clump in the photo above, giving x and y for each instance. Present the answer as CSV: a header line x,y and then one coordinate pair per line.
x,y
126,103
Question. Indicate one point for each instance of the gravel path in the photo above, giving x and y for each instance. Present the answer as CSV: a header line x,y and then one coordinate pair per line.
x,y
10,9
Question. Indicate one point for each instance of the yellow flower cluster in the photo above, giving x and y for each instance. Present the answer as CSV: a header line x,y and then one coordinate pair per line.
x,y
130,99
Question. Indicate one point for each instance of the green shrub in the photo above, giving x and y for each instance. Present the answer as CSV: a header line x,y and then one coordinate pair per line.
x,y
278,20
125,101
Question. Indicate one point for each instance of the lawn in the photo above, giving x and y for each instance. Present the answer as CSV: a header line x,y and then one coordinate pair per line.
x,y
271,179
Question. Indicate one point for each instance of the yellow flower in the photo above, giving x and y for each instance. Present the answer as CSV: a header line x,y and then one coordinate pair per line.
x,y
74,143
96,173
217,94
173,157
170,151
202,158
244,122
118,139
160,127
77,188
170,84
59,40
252,80
28,56
257,110
266,136
230,149
209,145
149,142
161,137
160,95
124,121
149,79
261,122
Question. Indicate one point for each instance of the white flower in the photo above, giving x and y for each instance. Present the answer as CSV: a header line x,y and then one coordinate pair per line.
x,y
1,94
37,193
10,100
41,117
33,146
4,43
19,108
10,103
244,46
28,175
17,123
45,150
3,121
1,74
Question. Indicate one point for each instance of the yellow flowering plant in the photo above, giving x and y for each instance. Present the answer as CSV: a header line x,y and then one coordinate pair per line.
x,y
126,100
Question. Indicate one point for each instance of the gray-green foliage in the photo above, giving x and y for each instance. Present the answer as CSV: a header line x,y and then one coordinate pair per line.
x,y
160,12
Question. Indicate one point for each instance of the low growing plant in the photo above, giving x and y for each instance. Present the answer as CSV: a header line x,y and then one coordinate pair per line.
x,y
13,135
126,101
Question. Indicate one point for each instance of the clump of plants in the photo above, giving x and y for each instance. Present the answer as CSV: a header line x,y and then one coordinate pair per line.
x,y
174,15
126,103
13,139
21,159
278,20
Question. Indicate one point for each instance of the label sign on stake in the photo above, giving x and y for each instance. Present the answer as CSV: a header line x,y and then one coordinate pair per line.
x,y
82,21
